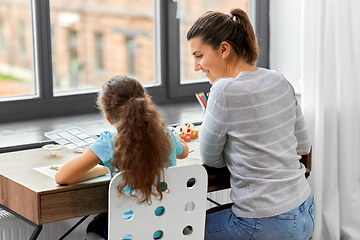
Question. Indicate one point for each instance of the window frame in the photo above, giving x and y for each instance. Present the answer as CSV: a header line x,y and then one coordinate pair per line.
x,y
45,104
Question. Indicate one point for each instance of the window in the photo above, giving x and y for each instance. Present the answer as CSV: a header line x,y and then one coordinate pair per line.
x,y
131,56
2,39
123,30
22,40
73,61
16,59
77,45
99,52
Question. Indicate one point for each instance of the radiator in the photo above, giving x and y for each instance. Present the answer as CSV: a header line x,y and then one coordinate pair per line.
x,y
12,228
222,197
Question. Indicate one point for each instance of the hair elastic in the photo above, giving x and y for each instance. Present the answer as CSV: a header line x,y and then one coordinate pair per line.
x,y
230,15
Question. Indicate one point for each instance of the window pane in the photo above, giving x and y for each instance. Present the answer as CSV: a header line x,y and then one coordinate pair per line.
x,y
190,11
16,51
94,40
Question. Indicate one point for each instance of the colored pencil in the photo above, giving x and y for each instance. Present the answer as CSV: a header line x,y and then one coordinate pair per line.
x,y
198,98
204,96
201,96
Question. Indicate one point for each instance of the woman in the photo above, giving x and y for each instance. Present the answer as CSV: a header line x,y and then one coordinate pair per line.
x,y
254,126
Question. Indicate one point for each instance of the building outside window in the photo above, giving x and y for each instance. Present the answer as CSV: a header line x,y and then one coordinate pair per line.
x,y
117,20
16,58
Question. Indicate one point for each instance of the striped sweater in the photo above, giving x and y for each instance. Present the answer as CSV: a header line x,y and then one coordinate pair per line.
x,y
254,126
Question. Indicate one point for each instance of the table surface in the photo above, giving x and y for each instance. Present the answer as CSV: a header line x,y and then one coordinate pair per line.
x,y
38,198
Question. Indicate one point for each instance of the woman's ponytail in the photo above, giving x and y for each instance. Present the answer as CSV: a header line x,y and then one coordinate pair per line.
x,y
250,49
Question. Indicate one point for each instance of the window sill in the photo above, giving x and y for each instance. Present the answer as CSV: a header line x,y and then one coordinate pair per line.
x,y
29,134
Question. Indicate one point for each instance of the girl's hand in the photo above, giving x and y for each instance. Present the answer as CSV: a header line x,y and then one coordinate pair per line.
x,y
185,151
80,169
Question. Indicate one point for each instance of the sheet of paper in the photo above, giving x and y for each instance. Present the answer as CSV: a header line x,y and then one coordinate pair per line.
x,y
194,149
48,170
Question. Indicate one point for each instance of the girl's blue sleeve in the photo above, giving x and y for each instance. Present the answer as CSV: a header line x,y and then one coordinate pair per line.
x,y
178,144
104,148
176,147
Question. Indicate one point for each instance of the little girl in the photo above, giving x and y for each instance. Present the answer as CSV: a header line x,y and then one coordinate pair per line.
x,y
142,144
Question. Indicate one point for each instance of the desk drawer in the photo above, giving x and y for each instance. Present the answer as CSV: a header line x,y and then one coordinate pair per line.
x,y
74,203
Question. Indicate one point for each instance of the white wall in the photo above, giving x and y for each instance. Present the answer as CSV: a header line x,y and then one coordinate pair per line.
x,y
285,42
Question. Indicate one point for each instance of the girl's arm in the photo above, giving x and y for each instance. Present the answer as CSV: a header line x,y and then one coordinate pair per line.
x,y
80,169
185,151
93,173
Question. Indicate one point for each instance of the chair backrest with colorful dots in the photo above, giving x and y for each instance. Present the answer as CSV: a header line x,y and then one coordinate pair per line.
x,y
179,215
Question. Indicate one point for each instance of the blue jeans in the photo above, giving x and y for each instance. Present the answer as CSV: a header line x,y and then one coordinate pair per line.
x,y
296,224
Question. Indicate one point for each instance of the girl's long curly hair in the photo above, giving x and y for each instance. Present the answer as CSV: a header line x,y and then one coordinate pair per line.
x,y
142,143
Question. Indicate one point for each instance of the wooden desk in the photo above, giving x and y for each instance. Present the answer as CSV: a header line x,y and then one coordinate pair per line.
x,y
37,197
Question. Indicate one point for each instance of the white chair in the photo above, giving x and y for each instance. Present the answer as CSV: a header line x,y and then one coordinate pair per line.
x,y
183,208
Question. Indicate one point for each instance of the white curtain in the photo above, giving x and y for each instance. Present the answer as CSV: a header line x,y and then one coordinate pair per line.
x,y
330,94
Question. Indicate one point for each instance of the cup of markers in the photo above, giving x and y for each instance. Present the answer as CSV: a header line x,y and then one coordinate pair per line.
x,y
202,98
